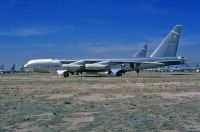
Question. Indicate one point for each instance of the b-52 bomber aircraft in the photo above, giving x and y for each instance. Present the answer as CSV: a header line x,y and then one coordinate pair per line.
x,y
164,55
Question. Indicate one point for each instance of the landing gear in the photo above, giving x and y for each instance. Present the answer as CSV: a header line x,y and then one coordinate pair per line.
x,y
119,73
137,71
66,74
72,73
109,72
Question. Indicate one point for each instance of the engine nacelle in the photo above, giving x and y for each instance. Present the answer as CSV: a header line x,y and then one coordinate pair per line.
x,y
96,66
72,67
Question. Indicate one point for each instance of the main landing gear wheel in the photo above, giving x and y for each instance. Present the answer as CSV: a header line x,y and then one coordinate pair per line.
x,y
119,73
66,74
137,71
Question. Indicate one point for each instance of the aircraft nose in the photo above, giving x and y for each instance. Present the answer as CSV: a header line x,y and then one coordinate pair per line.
x,y
26,65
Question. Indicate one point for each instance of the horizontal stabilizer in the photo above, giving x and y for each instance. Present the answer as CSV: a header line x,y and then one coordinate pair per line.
x,y
152,63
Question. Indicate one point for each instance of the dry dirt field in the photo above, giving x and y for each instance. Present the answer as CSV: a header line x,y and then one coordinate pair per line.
x,y
149,102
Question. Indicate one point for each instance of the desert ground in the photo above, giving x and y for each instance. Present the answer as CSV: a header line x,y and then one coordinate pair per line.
x,y
148,102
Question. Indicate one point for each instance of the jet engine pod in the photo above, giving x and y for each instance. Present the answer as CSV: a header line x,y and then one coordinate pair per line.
x,y
72,67
96,66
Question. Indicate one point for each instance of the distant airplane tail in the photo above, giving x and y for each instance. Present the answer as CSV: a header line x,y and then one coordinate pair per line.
x,y
168,47
142,52
13,68
2,67
22,68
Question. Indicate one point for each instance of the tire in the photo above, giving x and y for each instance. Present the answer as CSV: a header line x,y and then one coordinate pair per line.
x,y
76,73
119,73
109,72
137,70
66,74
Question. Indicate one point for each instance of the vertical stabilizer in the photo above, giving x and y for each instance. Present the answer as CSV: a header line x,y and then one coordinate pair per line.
x,y
142,52
2,67
13,68
168,47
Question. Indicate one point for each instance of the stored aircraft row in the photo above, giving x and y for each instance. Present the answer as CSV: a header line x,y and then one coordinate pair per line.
x,y
3,71
164,55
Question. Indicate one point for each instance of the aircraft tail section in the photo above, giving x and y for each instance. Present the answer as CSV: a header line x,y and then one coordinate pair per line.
x,y
22,68
142,52
168,47
2,67
13,68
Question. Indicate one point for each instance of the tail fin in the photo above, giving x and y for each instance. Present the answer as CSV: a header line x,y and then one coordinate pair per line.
x,y
142,52
168,47
22,68
13,67
2,67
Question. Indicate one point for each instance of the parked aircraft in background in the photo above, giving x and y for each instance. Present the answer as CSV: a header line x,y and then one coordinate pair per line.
x,y
180,68
11,70
142,52
191,68
165,69
1,68
164,55
185,69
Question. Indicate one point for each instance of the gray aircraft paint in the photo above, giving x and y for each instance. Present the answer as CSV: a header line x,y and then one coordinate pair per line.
x,y
13,67
79,66
168,47
42,65
48,65
142,52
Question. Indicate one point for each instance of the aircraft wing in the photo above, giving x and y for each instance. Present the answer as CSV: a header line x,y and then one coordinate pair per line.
x,y
159,62
67,61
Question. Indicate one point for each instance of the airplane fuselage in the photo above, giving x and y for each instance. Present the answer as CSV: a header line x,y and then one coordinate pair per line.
x,y
126,64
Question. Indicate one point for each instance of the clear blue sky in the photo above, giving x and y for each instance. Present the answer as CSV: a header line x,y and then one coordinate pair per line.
x,y
94,28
